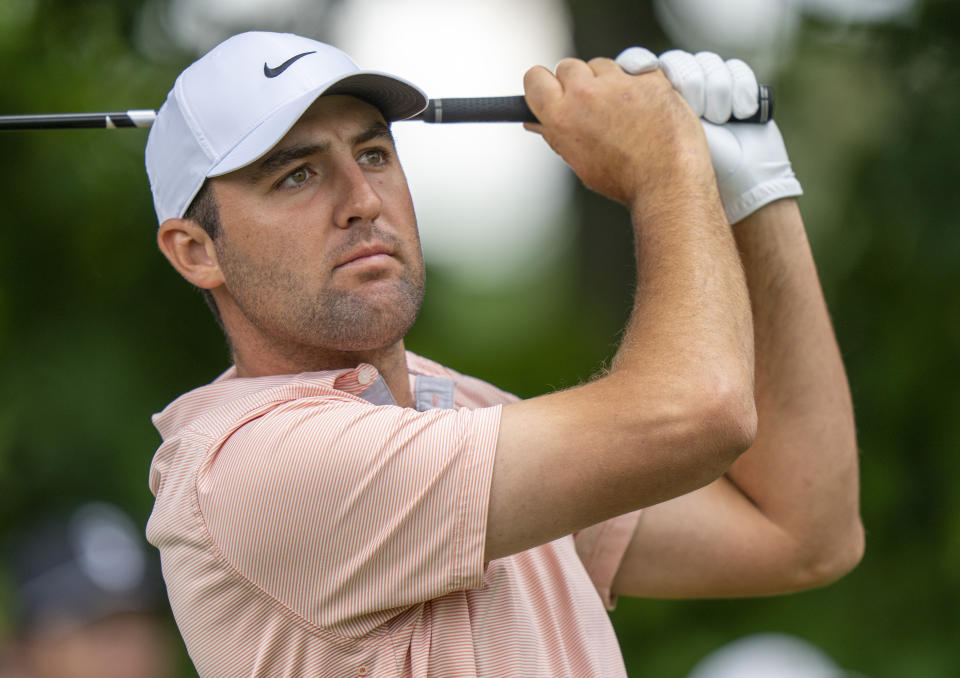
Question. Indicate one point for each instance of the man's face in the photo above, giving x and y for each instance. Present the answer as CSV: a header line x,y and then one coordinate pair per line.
x,y
319,247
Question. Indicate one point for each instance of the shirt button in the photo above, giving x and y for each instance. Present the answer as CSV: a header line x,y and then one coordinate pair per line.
x,y
362,671
366,375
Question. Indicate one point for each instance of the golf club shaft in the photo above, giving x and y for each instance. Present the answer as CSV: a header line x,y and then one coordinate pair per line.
x,y
133,118
482,109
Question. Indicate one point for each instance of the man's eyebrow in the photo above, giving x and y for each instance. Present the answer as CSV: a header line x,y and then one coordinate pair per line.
x,y
285,156
377,130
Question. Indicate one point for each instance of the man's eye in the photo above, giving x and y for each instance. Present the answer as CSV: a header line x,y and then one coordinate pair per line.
x,y
374,156
295,178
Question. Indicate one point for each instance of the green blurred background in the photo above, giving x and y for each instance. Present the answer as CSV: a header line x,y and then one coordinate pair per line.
x,y
97,332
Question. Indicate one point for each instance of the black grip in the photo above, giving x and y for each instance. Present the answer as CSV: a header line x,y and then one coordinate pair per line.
x,y
515,109
481,109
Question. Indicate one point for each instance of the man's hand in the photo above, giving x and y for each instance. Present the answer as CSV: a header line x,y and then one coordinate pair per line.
x,y
625,137
750,160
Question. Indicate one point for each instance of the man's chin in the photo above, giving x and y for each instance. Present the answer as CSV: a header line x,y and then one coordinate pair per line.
x,y
378,317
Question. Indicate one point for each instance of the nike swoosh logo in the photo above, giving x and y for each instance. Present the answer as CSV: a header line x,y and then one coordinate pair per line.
x,y
277,70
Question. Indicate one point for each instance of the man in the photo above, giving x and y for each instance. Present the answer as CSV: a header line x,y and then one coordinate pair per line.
x,y
335,505
87,600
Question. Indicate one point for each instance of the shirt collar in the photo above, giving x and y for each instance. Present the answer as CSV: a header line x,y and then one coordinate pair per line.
x,y
431,391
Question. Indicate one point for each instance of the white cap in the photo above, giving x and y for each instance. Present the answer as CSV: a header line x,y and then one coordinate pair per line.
x,y
237,101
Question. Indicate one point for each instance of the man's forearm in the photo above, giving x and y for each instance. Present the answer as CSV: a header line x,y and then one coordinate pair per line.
x,y
801,471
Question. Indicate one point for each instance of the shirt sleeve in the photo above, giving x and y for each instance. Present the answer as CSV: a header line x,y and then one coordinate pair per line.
x,y
340,509
601,548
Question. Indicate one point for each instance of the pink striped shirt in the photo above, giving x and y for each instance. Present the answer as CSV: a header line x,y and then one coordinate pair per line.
x,y
307,526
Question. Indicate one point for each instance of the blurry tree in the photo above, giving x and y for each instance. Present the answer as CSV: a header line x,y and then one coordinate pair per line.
x,y
92,330
895,292
97,333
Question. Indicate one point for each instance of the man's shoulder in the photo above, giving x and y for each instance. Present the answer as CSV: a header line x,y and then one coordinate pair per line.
x,y
229,398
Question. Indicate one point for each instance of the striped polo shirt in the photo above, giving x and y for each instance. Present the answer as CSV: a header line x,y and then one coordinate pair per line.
x,y
308,526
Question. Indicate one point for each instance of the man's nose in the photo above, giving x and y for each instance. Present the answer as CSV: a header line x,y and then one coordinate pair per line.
x,y
359,201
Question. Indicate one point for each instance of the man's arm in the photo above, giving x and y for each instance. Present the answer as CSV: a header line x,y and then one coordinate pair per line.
x,y
677,406
785,516
802,471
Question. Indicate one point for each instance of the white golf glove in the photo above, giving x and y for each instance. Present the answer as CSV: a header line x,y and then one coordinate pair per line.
x,y
749,159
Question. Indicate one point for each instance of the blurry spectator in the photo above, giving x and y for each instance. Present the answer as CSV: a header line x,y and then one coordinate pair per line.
x,y
88,600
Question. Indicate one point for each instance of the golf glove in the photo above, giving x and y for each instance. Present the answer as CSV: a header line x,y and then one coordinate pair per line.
x,y
749,159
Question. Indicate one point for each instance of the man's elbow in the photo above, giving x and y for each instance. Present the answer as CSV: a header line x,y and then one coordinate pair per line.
x,y
730,418
849,555
828,562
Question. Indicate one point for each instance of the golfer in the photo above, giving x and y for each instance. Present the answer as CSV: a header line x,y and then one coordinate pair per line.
x,y
334,505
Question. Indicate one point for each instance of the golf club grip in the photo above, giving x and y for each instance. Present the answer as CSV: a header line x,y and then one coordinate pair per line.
x,y
514,109
477,109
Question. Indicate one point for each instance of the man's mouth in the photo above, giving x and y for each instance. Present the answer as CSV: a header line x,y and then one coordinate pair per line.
x,y
373,254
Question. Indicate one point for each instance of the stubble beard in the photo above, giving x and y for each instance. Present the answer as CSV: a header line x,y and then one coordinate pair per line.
x,y
348,322
278,303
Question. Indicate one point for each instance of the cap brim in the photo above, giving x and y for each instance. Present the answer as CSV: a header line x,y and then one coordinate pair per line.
x,y
396,98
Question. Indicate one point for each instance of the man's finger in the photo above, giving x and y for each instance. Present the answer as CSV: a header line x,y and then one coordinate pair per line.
x,y
718,87
540,87
571,69
686,76
637,60
746,98
601,65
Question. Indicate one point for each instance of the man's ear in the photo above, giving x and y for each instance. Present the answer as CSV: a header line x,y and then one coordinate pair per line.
x,y
191,251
